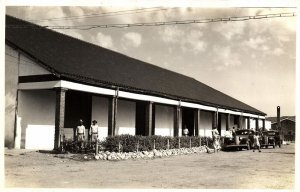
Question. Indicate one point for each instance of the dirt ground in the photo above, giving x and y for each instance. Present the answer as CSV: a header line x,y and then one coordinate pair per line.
x,y
270,169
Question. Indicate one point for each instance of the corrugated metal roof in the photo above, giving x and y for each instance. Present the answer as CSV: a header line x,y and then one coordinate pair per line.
x,y
71,58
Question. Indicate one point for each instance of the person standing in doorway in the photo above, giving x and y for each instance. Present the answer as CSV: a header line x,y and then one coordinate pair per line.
x,y
94,131
80,133
185,131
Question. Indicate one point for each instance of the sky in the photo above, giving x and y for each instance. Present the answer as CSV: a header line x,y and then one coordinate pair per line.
x,y
253,61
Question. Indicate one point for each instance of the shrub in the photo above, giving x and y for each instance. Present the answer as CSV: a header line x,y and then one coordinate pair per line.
x,y
130,143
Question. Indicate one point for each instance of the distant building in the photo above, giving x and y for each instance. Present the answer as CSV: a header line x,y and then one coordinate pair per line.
x,y
52,80
288,126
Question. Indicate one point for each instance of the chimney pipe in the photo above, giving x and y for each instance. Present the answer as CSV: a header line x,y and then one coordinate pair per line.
x,y
278,118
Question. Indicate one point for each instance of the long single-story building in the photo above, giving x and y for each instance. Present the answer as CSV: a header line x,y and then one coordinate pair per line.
x,y
53,80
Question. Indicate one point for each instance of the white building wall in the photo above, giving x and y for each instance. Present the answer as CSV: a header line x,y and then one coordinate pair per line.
x,y
205,124
29,67
11,83
267,125
36,110
223,124
164,120
252,123
125,117
100,114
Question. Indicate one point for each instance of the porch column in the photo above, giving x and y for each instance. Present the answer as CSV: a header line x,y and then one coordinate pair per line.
x,y
149,119
59,116
227,121
112,114
256,124
248,122
263,124
240,122
197,121
214,119
177,120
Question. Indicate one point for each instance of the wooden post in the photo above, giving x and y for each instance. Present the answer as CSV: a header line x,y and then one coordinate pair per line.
x,y
227,121
197,122
177,120
256,124
178,142
154,144
199,141
148,119
59,116
112,114
168,144
264,124
137,146
190,142
96,147
248,122
119,147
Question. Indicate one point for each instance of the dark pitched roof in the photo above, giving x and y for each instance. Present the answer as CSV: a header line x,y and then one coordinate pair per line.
x,y
274,119
77,60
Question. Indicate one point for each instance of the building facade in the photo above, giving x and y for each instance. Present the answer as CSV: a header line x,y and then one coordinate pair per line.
x,y
53,80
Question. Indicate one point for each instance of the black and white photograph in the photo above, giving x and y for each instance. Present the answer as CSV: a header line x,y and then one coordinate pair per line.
x,y
149,96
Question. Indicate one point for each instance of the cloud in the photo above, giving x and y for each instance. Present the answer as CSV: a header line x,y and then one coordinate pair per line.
x,y
278,51
255,43
132,39
186,40
229,29
103,40
171,34
225,57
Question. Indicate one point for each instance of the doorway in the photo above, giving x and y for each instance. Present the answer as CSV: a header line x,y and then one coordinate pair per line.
x,y
188,120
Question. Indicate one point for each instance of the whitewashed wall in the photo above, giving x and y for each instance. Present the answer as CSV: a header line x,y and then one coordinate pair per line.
x,y
11,83
125,117
268,125
164,120
37,112
205,124
100,114
223,124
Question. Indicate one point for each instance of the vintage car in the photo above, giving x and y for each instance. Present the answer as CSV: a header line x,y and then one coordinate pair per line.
x,y
271,138
241,139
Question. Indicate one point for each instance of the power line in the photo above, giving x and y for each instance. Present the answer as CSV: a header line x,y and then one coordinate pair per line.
x,y
107,14
151,24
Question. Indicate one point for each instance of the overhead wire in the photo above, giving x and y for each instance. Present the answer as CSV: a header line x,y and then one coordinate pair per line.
x,y
107,14
161,23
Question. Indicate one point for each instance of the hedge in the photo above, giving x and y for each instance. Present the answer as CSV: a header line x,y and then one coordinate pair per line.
x,y
131,143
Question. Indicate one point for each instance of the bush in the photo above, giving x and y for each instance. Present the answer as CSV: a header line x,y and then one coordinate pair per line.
x,y
131,143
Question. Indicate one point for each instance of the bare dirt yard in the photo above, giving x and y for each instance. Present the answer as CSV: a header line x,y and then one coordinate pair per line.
x,y
270,169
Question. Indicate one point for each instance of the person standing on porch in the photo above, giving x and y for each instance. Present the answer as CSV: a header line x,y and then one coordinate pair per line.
x,y
185,131
80,133
94,131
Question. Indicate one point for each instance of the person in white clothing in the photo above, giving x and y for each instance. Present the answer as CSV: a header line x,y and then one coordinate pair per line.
x,y
80,133
256,143
94,131
216,139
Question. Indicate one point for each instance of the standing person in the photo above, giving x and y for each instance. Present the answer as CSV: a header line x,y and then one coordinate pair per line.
x,y
94,131
256,143
185,131
233,131
80,133
216,138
